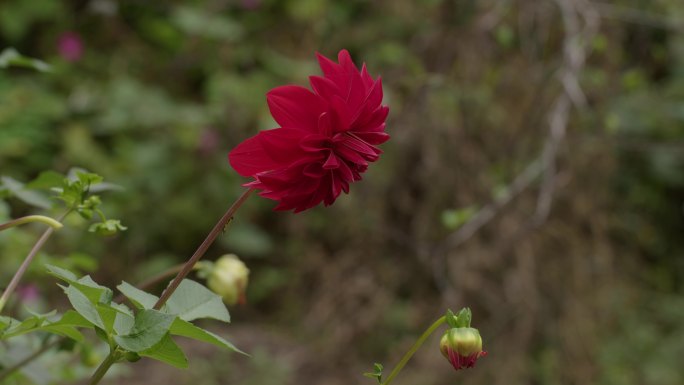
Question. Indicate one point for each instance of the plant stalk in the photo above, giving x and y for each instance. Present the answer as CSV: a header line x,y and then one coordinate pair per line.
x,y
413,349
32,218
199,253
27,261
110,360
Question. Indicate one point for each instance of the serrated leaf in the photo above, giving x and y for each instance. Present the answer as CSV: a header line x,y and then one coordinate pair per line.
x,y
186,329
192,300
140,298
149,328
168,352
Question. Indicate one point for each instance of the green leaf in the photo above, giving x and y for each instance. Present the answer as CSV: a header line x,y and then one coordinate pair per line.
x,y
149,328
63,274
72,318
186,329
9,57
140,298
66,326
168,352
108,227
123,323
377,372
83,306
66,331
92,290
192,301
46,180
18,190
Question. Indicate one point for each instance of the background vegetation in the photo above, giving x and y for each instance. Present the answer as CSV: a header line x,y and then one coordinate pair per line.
x,y
535,175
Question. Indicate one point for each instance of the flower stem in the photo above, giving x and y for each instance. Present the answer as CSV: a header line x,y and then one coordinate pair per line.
x,y
27,261
146,284
413,349
211,237
110,360
32,218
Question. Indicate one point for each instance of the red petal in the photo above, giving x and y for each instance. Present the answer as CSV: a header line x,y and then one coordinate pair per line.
x,y
250,157
324,87
371,121
329,67
374,138
295,107
367,79
282,145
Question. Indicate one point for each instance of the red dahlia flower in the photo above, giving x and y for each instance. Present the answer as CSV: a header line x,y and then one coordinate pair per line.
x,y
325,141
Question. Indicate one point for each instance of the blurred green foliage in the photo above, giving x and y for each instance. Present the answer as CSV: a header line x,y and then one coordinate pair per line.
x,y
163,90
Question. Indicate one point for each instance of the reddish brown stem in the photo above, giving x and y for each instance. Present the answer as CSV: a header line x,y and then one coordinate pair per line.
x,y
202,249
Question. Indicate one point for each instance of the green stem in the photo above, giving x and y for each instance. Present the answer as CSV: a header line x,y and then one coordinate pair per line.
x,y
32,218
27,261
413,349
110,360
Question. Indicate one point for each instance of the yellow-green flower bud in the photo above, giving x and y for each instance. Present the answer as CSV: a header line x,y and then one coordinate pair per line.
x,y
462,346
228,278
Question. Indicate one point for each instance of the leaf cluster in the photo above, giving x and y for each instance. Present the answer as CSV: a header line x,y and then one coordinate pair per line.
x,y
131,333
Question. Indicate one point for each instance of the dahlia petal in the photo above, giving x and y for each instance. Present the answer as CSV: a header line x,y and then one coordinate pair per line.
x,y
325,125
361,147
367,79
314,170
250,157
329,67
282,144
345,172
370,104
374,138
324,87
332,162
335,186
341,117
346,61
315,143
370,122
350,155
357,92
295,107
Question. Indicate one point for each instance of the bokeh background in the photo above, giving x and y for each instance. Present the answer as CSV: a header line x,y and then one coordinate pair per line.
x,y
535,174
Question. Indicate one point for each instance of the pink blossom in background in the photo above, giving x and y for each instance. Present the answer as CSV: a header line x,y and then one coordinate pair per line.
x,y
208,142
70,46
327,137
251,4
28,293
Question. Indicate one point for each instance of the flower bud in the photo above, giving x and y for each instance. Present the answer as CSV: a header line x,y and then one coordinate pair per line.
x,y
462,346
228,278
